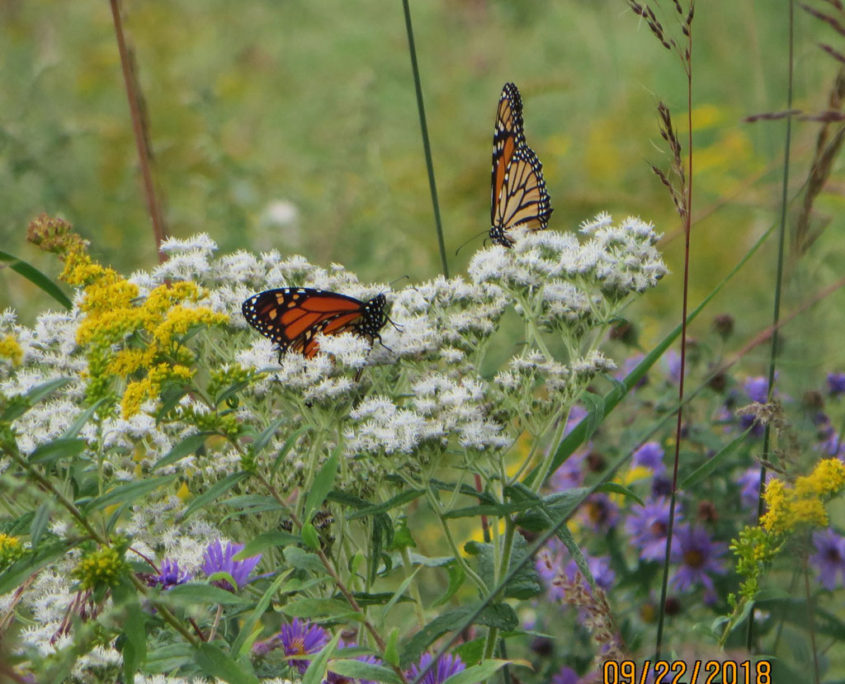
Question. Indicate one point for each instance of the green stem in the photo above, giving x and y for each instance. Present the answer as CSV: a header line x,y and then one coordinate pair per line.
x,y
435,506
426,145
414,587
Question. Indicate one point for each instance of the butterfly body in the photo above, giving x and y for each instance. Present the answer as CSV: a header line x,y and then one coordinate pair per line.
x,y
292,317
518,194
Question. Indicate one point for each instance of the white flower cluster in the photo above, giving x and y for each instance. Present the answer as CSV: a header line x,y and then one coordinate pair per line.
x,y
560,281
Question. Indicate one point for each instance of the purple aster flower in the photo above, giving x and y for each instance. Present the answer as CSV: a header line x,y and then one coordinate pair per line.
x,y
836,384
749,483
446,666
566,675
829,557
570,474
699,557
169,576
218,559
301,638
757,389
648,526
599,513
650,455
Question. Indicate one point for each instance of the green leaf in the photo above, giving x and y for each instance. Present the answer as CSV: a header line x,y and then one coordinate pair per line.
x,y
198,594
217,664
12,576
616,488
187,446
304,560
355,669
477,673
399,592
525,583
499,615
402,538
57,449
83,418
321,487
37,278
267,540
39,523
595,405
213,493
316,608
398,500
129,492
255,616
391,649
310,537
705,469
456,579
317,669
134,628
20,404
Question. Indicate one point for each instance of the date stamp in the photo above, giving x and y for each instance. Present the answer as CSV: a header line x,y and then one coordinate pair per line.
x,y
684,672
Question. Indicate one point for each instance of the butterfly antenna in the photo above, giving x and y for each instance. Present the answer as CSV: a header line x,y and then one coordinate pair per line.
x,y
396,280
474,237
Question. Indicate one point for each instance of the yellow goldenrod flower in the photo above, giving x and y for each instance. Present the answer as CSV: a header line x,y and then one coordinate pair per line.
x,y
11,549
103,566
10,349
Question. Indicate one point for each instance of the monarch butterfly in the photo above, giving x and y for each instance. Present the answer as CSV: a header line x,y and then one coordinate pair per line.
x,y
292,316
519,196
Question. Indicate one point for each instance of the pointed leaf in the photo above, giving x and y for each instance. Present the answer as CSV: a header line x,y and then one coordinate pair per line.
x,y
216,491
216,663
37,278
187,446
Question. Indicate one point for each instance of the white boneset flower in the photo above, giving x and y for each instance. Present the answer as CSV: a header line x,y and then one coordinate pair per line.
x,y
199,243
347,348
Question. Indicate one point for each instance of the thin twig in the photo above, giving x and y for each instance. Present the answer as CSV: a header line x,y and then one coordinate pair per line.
x,y
140,130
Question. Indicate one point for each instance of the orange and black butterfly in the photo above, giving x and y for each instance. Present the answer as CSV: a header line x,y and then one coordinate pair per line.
x,y
292,316
519,196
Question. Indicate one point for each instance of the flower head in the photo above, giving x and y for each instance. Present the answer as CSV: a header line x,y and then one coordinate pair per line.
x,y
836,384
300,638
650,455
170,575
648,527
445,667
217,559
699,558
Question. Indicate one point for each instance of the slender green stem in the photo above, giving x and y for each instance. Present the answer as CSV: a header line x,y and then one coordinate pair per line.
x,y
426,145
435,506
773,349
414,587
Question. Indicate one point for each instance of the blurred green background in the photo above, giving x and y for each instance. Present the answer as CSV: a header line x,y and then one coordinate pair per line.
x,y
293,125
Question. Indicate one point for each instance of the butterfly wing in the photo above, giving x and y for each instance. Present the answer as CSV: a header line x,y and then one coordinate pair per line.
x,y
292,317
519,196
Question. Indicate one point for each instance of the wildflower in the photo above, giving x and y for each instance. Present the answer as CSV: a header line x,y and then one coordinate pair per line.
x,y
217,559
836,384
650,455
333,678
757,389
446,666
11,549
301,638
829,557
169,576
102,566
749,492
699,558
10,349
648,526
672,359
